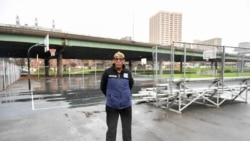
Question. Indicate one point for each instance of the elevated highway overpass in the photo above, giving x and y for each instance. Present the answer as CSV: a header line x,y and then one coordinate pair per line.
x,y
15,42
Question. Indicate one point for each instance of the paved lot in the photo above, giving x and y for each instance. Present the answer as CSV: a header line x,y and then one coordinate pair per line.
x,y
19,122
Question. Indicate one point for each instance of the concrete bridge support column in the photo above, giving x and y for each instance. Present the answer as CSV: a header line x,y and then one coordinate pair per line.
x,y
181,67
47,67
130,65
160,67
59,65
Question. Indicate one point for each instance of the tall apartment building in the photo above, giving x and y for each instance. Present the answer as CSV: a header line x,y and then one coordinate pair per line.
x,y
165,28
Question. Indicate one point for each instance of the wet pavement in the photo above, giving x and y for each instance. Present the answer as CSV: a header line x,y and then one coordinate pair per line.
x,y
73,109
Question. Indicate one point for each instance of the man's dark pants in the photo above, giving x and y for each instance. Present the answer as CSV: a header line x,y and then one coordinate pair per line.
x,y
112,120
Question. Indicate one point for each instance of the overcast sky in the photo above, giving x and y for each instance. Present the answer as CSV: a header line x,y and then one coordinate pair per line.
x,y
202,19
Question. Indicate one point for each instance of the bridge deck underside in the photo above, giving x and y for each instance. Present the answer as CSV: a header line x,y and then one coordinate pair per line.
x,y
19,50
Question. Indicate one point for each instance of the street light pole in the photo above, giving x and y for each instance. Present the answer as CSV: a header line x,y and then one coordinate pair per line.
x,y
36,45
44,44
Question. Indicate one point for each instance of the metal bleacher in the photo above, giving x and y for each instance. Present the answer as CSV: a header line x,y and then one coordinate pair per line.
x,y
176,94
201,91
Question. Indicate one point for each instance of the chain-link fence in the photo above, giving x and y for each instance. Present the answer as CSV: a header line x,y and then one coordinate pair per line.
x,y
9,73
187,73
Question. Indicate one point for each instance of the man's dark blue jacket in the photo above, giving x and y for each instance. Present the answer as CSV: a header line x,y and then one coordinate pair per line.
x,y
117,87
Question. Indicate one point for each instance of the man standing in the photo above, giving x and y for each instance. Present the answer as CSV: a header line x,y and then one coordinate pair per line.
x,y
116,85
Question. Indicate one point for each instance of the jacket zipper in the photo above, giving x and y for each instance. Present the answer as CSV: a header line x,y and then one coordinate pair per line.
x,y
119,89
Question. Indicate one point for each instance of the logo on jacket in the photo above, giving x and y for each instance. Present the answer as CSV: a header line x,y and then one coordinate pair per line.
x,y
125,75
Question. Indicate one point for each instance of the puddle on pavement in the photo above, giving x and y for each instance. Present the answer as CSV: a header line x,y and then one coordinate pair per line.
x,y
66,91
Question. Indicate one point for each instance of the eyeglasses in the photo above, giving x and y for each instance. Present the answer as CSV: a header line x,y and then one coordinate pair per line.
x,y
116,59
